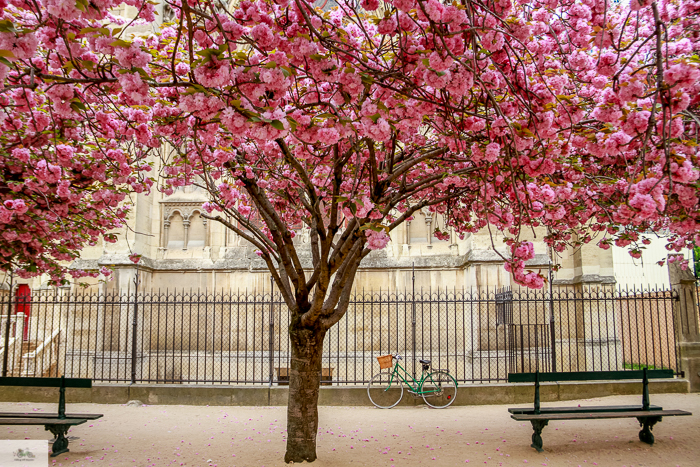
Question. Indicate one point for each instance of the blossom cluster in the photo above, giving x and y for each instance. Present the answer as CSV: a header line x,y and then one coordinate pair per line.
x,y
566,114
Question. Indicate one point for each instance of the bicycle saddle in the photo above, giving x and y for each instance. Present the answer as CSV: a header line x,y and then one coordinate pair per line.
x,y
425,362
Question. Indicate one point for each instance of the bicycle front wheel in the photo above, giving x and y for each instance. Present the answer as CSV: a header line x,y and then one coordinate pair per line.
x,y
385,390
439,389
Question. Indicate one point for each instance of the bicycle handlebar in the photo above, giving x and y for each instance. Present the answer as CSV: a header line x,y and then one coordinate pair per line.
x,y
397,357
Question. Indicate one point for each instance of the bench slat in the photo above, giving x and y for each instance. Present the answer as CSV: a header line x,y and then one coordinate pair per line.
x,y
588,376
87,416
599,415
600,408
41,421
46,382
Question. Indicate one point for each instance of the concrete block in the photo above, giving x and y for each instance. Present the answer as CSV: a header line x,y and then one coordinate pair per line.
x,y
346,396
520,393
28,394
588,389
255,396
110,394
690,363
670,386
279,396
75,395
179,394
474,394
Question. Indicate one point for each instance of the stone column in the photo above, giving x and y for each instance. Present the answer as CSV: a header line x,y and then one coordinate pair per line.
x,y
166,231
186,223
454,248
429,224
125,278
685,315
207,240
407,243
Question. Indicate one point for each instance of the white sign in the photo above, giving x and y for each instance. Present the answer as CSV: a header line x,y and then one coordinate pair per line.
x,y
29,452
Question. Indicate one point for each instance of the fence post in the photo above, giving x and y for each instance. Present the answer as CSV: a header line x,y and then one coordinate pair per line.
x,y
686,325
272,329
7,328
552,330
552,333
134,328
413,314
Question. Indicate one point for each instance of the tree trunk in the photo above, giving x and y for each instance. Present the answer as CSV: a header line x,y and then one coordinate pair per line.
x,y
304,382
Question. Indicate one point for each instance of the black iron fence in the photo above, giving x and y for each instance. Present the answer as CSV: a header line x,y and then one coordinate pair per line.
x,y
191,337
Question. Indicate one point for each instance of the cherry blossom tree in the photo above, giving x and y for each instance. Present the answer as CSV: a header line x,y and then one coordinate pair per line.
x,y
575,115
70,150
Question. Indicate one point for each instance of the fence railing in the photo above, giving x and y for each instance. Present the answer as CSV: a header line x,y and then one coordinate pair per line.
x,y
192,337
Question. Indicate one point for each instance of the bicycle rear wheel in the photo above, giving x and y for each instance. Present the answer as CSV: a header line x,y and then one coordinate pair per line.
x,y
385,390
439,389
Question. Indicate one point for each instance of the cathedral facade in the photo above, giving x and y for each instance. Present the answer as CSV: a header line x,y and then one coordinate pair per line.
x,y
180,249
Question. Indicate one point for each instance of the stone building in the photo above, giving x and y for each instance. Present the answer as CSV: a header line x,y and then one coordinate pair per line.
x,y
182,250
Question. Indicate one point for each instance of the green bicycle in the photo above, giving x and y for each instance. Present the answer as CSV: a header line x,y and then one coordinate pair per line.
x,y
438,388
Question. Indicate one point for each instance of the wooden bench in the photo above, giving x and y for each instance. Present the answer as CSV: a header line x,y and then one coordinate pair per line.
x,y
57,423
647,415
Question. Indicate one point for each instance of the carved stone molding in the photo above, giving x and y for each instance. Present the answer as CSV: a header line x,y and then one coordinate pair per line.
x,y
184,208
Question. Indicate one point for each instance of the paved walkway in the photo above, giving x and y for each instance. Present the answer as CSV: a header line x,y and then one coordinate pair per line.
x,y
477,435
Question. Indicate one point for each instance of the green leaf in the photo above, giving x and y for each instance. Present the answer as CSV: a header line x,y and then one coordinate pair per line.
x,y
76,104
276,124
120,43
374,117
6,62
88,64
207,54
367,79
142,72
7,26
82,5
7,54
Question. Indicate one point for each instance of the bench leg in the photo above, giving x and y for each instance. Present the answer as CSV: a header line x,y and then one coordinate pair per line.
x,y
647,424
61,444
537,426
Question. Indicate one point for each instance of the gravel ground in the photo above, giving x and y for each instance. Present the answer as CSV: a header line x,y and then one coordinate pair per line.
x,y
352,436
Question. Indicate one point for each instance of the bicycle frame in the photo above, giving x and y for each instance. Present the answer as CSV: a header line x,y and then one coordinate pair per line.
x,y
417,389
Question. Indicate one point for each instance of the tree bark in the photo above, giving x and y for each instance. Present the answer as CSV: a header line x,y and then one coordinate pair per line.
x,y
304,382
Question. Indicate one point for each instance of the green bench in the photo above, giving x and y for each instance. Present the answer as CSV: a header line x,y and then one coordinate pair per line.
x,y
57,423
647,415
